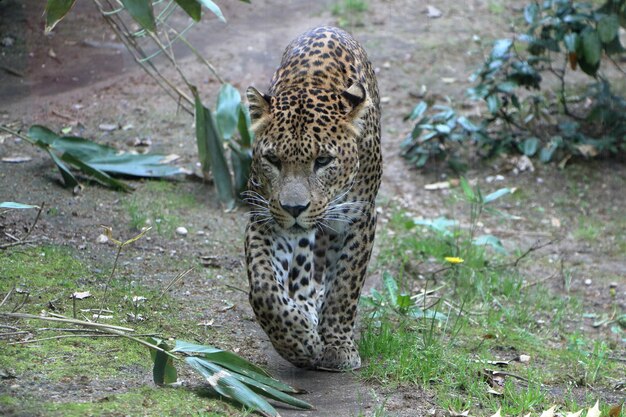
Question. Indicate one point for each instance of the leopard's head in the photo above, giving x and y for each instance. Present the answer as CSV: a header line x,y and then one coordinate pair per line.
x,y
305,154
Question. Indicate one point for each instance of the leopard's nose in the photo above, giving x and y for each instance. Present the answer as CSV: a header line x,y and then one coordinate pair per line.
x,y
295,210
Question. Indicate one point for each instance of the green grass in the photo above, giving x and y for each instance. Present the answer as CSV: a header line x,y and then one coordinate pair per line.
x,y
501,318
144,401
349,12
160,204
50,274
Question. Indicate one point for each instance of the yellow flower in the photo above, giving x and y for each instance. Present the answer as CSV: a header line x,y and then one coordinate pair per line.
x,y
454,259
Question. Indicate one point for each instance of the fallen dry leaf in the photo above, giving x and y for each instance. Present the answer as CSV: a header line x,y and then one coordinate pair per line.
x,y
433,12
81,295
616,410
595,410
576,414
549,412
497,414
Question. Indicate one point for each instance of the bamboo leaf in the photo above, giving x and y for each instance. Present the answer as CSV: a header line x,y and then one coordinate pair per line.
x,y
68,178
211,152
191,7
227,112
12,205
224,384
214,9
101,176
141,11
243,125
163,371
496,194
56,11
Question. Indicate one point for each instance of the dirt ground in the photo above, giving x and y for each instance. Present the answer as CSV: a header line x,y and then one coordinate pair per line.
x,y
81,76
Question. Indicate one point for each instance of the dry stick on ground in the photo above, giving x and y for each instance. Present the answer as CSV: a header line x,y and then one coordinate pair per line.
x,y
64,336
107,328
174,281
24,240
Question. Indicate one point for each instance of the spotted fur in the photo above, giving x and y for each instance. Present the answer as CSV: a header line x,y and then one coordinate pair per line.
x,y
316,170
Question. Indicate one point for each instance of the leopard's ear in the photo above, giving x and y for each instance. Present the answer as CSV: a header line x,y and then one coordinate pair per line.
x,y
358,102
259,105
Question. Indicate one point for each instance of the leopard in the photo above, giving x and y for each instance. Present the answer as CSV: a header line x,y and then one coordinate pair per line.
x,y
315,173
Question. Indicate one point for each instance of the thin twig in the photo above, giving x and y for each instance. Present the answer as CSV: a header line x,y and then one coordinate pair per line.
x,y
13,333
30,230
18,243
64,336
174,281
6,297
532,284
117,330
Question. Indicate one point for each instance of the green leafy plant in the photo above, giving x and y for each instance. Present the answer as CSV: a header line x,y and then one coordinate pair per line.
x,y
395,302
158,33
227,374
230,125
561,37
95,160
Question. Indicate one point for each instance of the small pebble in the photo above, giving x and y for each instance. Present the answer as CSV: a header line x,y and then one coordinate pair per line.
x,y
587,281
181,231
107,127
102,239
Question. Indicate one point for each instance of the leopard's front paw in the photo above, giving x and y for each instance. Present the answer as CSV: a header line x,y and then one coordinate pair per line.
x,y
339,358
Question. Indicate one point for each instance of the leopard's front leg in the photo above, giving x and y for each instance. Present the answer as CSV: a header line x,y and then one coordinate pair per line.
x,y
284,307
347,260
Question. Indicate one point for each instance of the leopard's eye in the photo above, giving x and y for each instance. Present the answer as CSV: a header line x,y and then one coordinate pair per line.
x,y
322,161
272,159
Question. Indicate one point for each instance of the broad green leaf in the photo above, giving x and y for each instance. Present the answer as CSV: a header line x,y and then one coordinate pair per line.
x,y
530,146
225,358
191,7
42,134
490,240
546,153
443,129
608,28
56,11
496,194
392,287
103,157
100,176
571,41
227,112
12,205
224,384
141,11
501,48
163,371
136,165
263,389
467,189
591,47
440,224
530,13
417,111
403,302
418,313
211,151
467,124
241,161
493,103
507,86
243,124
68,178
214,9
